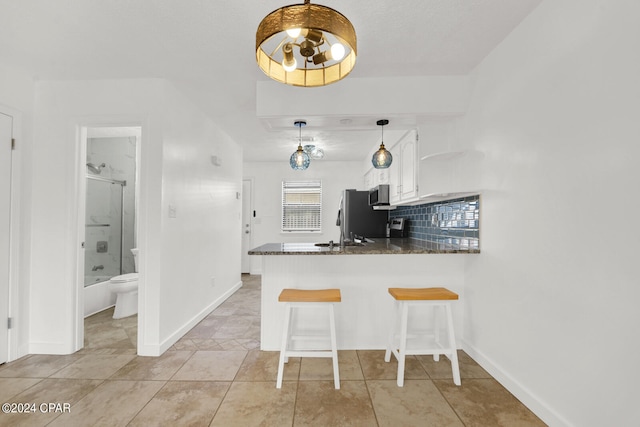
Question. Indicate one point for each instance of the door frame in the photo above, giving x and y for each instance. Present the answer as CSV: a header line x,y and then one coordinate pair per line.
x,y
80,202
17,345
250,180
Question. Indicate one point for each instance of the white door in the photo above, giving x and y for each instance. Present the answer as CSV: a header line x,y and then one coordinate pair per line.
x,y
5,225
247,213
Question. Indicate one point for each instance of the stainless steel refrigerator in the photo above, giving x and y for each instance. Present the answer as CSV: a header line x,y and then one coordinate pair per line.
x,y
357,218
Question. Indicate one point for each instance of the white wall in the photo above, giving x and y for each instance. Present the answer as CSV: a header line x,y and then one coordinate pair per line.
x,y
552,301
202,241
177,255
267,199
56,168
16,99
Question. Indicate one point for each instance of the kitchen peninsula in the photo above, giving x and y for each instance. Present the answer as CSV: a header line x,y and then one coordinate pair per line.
x,y
363,273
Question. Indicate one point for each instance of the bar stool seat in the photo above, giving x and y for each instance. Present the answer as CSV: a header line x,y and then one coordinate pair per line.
x,y
438,298
307,298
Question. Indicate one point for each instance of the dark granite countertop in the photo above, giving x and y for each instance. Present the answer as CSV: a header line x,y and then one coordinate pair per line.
x,y
395,246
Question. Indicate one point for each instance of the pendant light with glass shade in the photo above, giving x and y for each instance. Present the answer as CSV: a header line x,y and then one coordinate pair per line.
x,y
382,158
299,159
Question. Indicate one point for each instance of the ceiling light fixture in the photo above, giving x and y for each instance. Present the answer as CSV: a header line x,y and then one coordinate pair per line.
x,y
299,159
314,152
306,45
382,158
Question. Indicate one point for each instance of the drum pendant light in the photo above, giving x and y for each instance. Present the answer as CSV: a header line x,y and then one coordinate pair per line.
x,y
382,158
306,45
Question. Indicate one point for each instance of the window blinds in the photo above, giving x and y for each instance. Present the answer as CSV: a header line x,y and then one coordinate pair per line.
x,y
301,206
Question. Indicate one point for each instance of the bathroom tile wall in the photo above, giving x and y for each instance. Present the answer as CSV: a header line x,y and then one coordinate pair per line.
x,y
454,223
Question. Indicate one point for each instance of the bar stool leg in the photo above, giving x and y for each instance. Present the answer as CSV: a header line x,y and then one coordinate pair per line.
x,y
403,342
334,348
455,368
436,329
285,341
392,333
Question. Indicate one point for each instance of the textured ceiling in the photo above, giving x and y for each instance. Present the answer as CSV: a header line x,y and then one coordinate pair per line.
x,y
207,49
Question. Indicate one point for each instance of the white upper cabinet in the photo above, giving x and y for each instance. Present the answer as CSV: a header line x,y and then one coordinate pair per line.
x,y
403,172
375,177
447,171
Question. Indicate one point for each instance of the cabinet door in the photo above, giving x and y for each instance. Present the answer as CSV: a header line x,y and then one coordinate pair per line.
x,y
394,178
408,164
382,176
368,179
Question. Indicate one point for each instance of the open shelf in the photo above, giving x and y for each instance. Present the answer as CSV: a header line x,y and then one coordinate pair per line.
x,y
445,155
437,197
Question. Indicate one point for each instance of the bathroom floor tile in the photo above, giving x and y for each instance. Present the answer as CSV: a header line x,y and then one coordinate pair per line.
x,y
153,368
111,404
48,391
211,366
485,402
469,368
418,402
94,366
263,366
10,387
312,368
257,404
375,368
182,403
37,366
319,403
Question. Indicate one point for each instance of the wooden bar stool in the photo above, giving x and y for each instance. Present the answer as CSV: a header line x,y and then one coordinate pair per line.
x,y
303,298
420,297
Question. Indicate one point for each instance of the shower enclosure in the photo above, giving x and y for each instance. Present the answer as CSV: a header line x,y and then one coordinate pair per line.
x,y
104,225
110,206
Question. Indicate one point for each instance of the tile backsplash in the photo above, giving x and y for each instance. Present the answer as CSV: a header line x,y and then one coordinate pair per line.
x,y
454,223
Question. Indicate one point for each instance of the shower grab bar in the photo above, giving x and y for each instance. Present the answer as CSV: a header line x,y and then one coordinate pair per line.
x,y
97,225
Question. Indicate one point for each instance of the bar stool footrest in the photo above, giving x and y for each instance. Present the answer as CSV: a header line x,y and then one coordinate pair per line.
x,y
309,353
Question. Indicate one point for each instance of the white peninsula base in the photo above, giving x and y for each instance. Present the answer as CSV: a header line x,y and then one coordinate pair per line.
x,y
363,318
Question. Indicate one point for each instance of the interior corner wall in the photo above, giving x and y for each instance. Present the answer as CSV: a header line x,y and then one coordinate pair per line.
x,y
200,216
552,301
267,199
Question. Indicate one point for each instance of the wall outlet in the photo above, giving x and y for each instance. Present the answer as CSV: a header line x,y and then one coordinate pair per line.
x,y
213,282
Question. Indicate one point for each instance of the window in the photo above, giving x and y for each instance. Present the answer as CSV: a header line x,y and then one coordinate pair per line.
x,y
301,206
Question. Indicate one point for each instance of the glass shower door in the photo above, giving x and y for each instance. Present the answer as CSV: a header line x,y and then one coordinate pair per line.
x,y
103,229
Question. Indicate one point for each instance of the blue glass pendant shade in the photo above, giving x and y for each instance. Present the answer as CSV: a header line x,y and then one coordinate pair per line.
x,y
382,158
299,160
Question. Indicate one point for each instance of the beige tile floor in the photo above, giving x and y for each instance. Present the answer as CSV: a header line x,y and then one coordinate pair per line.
x,y
217,376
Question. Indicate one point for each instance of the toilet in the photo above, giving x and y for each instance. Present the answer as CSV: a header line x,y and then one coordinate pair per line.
x,y
125,287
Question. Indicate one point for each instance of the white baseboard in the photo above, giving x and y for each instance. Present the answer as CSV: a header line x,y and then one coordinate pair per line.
x,y
539,407
50,348
157,350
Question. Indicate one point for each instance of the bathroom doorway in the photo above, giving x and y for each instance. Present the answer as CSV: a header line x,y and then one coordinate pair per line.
x,y
110,206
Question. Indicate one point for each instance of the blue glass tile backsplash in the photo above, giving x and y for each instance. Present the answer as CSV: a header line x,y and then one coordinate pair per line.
x,y
454,223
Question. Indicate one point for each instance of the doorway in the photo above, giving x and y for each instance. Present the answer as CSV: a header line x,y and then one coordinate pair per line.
x,y
247,223
109,203
6,125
